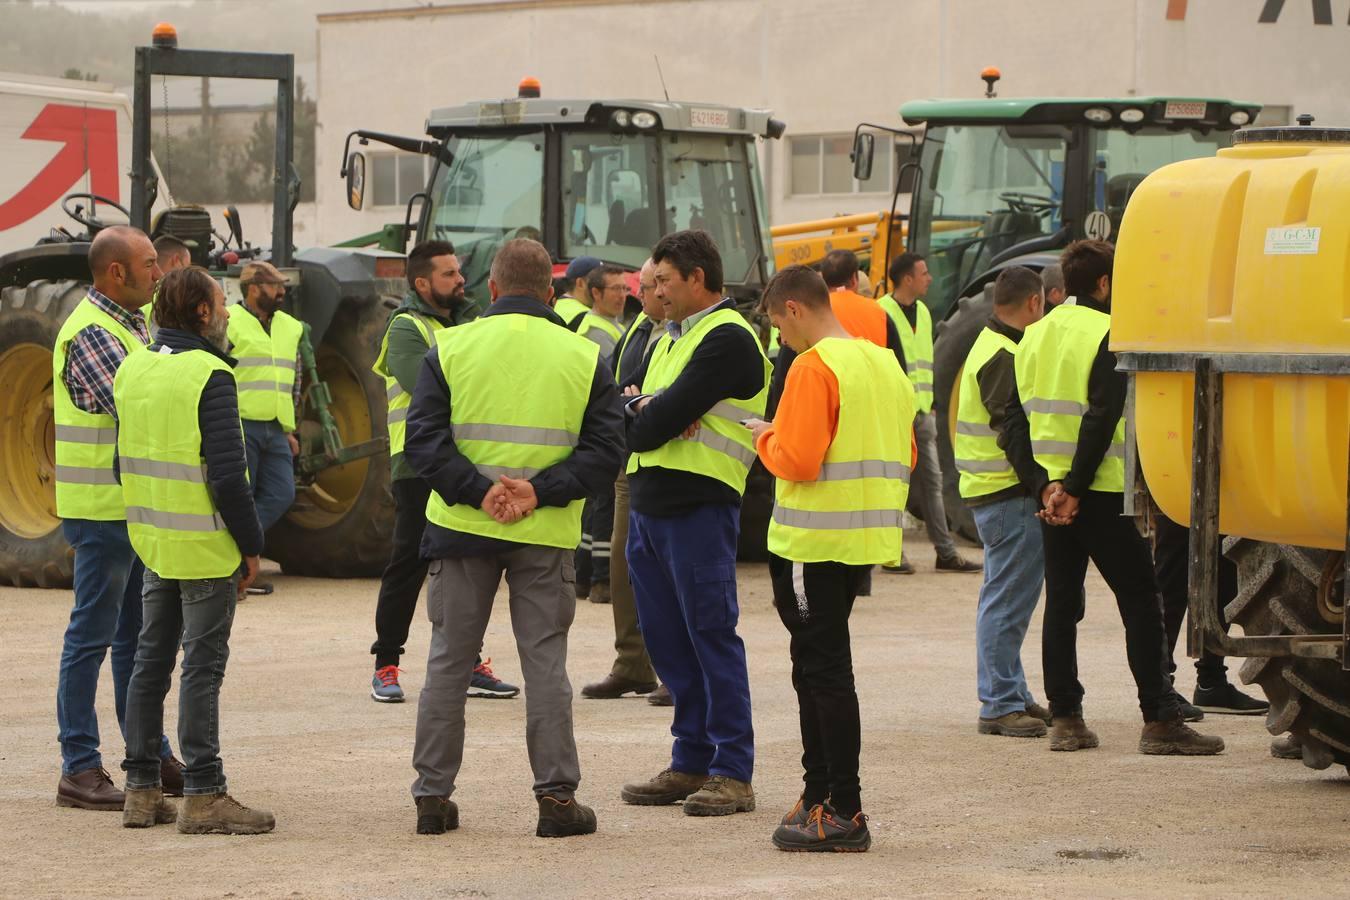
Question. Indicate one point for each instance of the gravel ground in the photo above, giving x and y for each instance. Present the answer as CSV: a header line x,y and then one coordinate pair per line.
x,y
952,812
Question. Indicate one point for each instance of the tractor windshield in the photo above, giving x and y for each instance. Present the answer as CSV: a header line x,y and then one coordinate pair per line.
x,y
1124,158
492,192
987,187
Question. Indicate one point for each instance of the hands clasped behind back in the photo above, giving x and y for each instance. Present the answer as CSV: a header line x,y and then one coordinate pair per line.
x,y
510,500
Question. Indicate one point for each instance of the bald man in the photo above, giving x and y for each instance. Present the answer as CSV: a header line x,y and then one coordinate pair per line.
x,y
99,334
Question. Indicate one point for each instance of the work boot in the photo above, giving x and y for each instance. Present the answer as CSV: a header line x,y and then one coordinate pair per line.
x,y
1228,700
222,814
1014,724
147,806
1287,746
171,776
90,789
612,687
1175,737
1188,711
800,812
1071,733
957,563
666,788
661,697
720,796
824,832
1036,711
599,593
902,567
563,817
436,815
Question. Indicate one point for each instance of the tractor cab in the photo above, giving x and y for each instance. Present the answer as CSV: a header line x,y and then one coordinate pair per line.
x,y
603,178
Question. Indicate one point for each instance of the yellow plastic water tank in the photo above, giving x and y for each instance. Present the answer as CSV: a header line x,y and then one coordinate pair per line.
x,y
1245,253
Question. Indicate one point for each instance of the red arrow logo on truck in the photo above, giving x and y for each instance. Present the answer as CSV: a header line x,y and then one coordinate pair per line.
x,y
90,139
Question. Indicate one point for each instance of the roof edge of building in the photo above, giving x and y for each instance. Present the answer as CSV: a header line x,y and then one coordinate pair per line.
x,y
475,6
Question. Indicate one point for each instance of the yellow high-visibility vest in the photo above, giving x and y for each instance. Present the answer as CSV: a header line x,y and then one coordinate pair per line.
x,y
851,513
983,467
266,369
917,342
397,398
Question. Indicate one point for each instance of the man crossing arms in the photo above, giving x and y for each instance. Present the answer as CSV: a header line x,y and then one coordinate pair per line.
x,y
840,449
435,300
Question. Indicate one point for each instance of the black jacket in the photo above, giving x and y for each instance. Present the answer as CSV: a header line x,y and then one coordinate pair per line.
x,y
633,358
222,443
727,364
430,448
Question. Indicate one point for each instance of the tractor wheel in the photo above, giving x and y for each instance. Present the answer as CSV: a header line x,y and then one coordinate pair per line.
x,y
340,526
33,551
953,338
1295,590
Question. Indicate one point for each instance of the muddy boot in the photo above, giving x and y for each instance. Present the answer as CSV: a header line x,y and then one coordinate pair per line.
x,y
666,788
1175,737
1014,724
145,807
436,815
221,814
563,817
1036,711
1071,733
1286,746
721,796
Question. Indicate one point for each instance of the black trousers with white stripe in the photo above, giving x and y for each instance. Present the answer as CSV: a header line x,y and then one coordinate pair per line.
x,y
597,530
814,601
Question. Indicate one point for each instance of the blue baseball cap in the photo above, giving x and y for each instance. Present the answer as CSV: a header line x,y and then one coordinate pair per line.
x,y
581,267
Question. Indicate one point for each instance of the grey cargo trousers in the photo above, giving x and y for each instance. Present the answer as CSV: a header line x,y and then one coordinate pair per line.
x,y
459,602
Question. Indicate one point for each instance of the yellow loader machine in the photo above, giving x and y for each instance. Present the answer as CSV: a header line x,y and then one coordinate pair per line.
x,y
1231,312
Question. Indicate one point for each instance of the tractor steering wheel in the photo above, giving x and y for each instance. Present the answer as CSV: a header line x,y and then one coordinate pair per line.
x,y
1026,202
90,221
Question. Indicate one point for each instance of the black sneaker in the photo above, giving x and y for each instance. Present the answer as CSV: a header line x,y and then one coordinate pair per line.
x,y
823,832
1189,711
958,563
1228,700
436,815
563,818
901,568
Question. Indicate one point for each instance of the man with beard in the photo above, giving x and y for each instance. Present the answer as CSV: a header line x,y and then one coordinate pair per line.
x,y
101,333
435,300
191,519
266,342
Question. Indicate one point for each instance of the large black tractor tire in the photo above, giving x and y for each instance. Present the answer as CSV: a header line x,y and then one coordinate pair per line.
x,y
341,526
33,551
953,338
1278,593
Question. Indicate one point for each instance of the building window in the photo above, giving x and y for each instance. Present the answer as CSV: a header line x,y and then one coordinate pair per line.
x,y
396,177
820,165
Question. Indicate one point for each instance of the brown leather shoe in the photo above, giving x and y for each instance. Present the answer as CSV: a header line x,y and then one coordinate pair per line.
x,y
1175,738
1036,711
600,593
661,697
612,687
171,777
90,789
720,796
666,788
1069,733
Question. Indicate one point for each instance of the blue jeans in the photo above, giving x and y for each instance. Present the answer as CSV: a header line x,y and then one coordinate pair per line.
x,y
107,614
683,570
271,470
202,612
1014,570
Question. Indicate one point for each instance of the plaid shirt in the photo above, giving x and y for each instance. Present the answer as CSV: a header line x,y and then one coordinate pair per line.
x,y
94,356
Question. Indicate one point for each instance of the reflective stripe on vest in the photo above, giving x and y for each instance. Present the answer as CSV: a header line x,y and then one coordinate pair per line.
x,y
1054,361
397,398
266,365
516,427
86,487
984,468
917,342
602,331
851,513
722,448
172,518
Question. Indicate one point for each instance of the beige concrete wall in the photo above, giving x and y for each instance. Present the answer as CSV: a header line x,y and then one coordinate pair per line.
x,y
822,68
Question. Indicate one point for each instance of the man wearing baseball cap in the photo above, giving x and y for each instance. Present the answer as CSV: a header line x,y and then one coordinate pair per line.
x,y
573,306
266,341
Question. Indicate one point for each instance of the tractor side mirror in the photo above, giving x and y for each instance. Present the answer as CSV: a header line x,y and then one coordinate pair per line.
x,y
864,146
356,180
236,226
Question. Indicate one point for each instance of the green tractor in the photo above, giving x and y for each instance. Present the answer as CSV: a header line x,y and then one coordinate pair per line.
x,y
1000,182
343,514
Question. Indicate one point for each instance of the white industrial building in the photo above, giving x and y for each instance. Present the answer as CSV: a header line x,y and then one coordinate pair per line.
x,y
822,68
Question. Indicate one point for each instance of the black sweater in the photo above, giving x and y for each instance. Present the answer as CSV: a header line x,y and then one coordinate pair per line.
x,y
430,448
727,364
222,443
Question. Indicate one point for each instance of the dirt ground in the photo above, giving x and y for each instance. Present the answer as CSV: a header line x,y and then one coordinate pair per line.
x,y
952,812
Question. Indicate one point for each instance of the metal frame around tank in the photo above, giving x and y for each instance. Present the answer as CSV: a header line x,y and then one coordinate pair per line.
x,y
1207,628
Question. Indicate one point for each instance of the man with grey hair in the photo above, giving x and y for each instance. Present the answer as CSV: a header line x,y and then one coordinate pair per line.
x,y
1052,276
514,421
